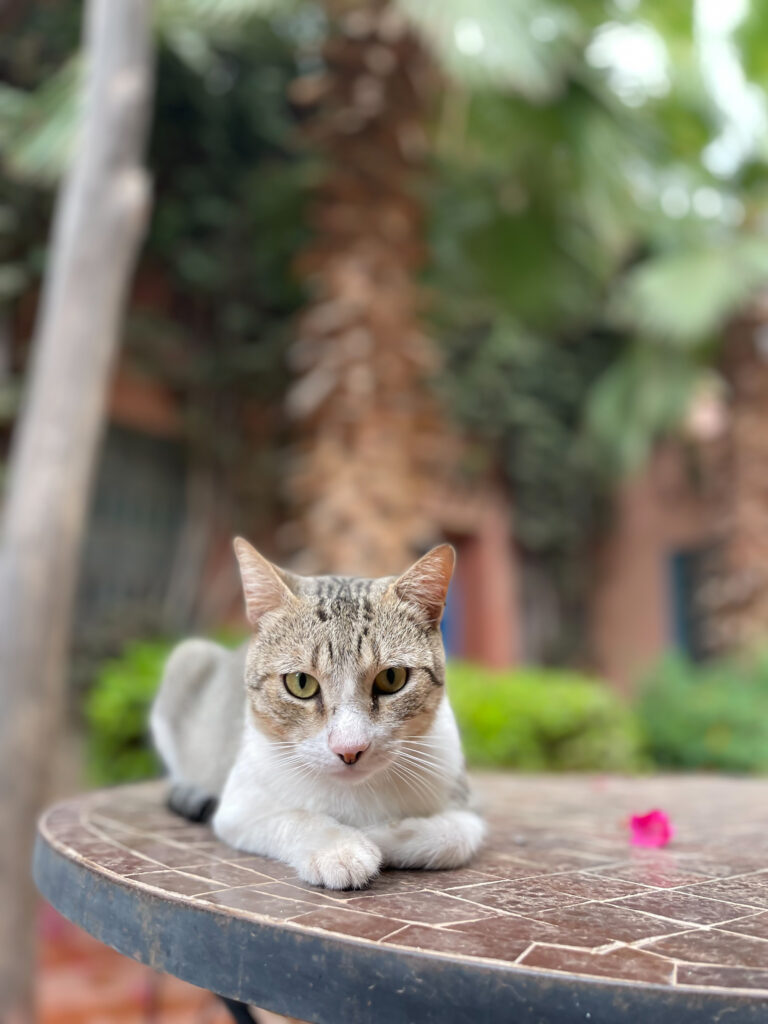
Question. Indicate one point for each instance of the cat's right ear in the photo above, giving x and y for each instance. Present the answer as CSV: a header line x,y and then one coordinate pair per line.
x,y
263,588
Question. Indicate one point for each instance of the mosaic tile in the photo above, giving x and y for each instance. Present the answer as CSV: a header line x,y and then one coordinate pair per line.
x,y
458,943
681,907
661,873
556,888
722,977
625,963
179,882
259,903
756,925
714,946
593,887
421,907
347,922
519,897
597,924
228,874
748,891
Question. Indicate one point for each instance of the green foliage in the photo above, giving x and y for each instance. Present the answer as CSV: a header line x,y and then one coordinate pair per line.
x,y
712,716
38,131
525,46
211,16
524,392
750,37
116,713
231,187
625,416
541,720
117,710
683,296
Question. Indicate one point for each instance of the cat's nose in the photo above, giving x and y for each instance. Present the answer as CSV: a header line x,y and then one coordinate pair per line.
x,y
349,753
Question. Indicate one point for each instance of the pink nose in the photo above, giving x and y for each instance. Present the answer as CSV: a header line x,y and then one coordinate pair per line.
x,y
349,752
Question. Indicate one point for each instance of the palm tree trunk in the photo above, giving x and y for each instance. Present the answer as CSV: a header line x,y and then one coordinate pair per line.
x,y
99,222
366,426
737,602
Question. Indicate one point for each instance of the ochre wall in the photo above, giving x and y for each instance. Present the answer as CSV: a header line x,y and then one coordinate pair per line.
x,y
657,513
488,580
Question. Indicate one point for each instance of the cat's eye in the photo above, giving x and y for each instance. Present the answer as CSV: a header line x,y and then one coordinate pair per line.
x,y
301,684
390,680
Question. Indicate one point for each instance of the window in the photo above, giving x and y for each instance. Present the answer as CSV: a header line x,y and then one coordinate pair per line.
x,y
689,571
132,535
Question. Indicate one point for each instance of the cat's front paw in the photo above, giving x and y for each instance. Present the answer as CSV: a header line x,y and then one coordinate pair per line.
x,y
350,862
447,840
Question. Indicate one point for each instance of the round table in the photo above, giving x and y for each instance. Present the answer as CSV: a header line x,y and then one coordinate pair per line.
x,y
558,920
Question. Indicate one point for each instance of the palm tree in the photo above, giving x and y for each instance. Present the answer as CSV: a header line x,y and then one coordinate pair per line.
x,y
364,418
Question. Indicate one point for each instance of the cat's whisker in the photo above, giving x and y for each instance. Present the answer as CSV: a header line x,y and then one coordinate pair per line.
x,y
427,758
407,779
421,747
430,765
426,787
419,779
426,745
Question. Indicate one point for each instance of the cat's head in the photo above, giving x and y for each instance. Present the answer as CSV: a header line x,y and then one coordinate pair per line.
x,y
341,671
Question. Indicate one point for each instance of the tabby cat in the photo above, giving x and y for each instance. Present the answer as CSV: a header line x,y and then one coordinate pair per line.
x,y
341,755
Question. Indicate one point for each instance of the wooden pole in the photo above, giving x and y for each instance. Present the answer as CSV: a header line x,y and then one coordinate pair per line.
x,y
100,219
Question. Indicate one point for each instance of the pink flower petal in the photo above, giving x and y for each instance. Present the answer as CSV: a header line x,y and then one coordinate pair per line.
x,y
651,829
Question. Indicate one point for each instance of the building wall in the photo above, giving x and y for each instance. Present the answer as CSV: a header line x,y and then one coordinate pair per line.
x,y
487,582
658,513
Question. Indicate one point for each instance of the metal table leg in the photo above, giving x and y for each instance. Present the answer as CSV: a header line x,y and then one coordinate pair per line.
x,y
240,1013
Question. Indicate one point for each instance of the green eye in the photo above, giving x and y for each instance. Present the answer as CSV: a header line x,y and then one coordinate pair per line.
x,y
301,684
390,680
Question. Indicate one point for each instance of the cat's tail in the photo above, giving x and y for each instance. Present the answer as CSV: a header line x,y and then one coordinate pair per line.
x,y
191,802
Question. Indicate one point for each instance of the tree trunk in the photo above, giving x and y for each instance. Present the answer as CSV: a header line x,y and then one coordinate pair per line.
x,y
100,218
735,602
367,432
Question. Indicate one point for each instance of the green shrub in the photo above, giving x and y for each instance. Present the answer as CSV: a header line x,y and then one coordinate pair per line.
x,y
117,711
538,719
712,716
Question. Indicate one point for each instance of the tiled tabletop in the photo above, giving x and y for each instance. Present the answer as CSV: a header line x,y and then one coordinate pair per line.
x,y
558,887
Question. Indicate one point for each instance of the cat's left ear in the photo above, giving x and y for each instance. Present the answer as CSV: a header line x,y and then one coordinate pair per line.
x,y
426,583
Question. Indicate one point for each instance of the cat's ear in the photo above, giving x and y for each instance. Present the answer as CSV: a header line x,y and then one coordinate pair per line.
x,y
265,587
425,584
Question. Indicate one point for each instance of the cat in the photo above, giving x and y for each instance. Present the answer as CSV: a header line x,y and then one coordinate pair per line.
x,y
341,754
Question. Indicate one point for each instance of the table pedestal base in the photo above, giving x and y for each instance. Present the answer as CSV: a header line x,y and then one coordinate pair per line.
x,y
240,1012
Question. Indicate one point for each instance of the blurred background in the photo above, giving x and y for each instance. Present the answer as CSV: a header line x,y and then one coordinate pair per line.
x,y
494,272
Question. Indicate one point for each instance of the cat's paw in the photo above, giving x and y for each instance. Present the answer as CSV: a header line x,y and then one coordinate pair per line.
x,y
456,842
447,840
349,862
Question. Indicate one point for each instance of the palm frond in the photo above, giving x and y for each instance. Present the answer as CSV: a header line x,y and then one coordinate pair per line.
x,y
212,15
687,296
191,27
645,395
521,45
38,129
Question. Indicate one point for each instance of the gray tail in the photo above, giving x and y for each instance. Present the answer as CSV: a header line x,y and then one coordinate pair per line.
x,y
191,802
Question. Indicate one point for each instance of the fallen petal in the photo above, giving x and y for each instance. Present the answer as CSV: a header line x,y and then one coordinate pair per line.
x,y
651,829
